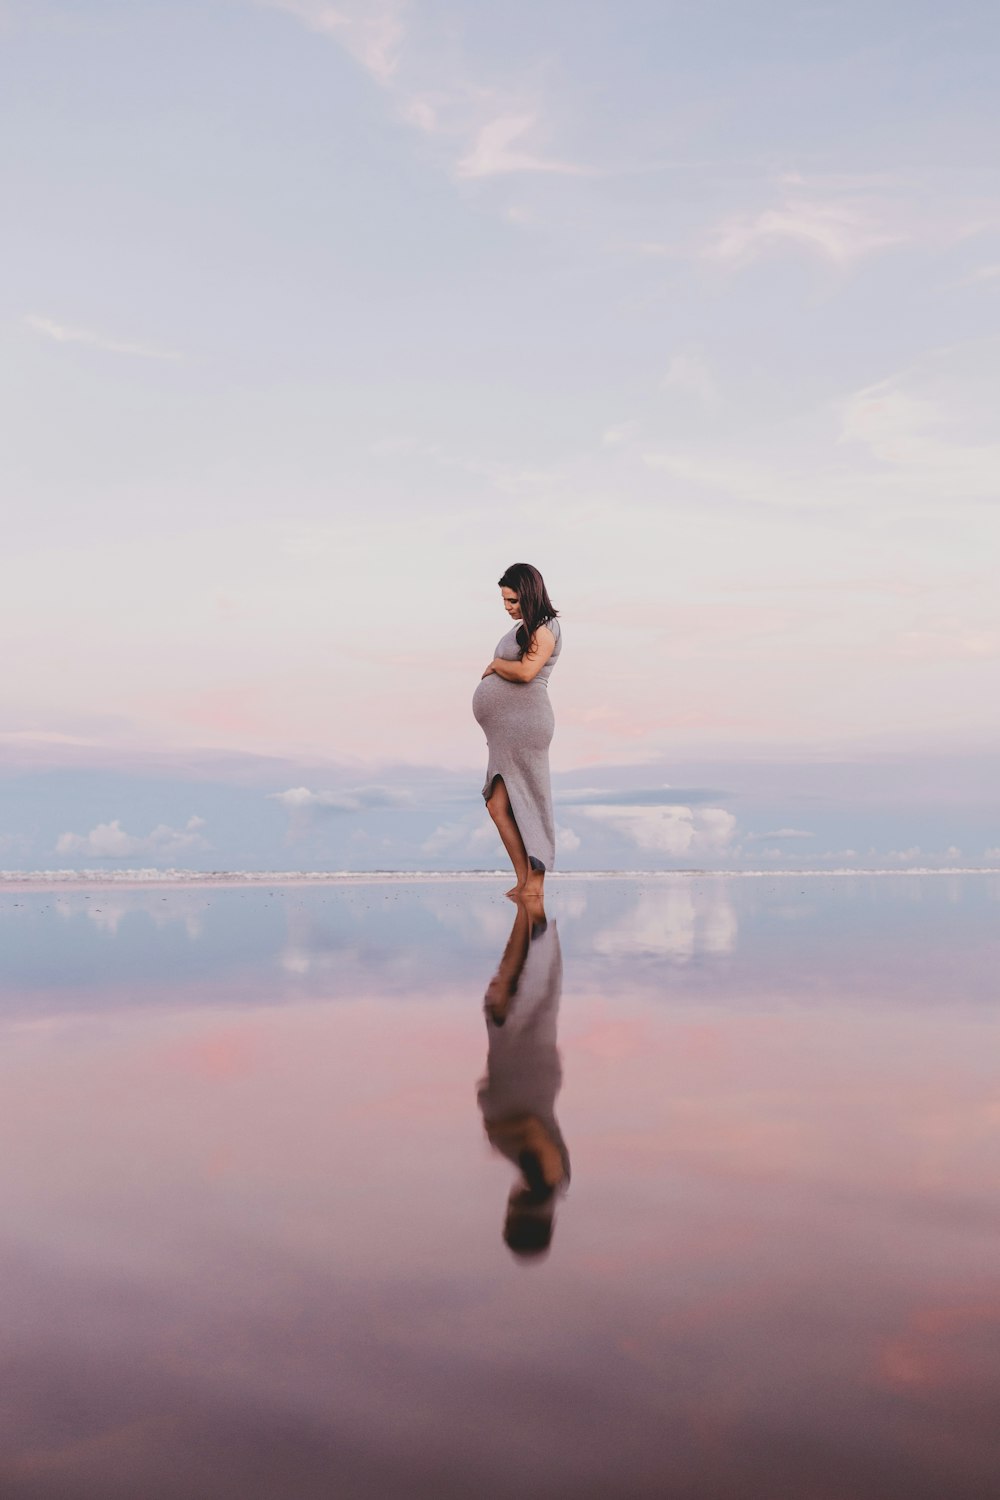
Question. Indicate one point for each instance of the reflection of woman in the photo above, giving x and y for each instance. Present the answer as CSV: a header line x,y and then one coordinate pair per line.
x,y
523,1074
512,705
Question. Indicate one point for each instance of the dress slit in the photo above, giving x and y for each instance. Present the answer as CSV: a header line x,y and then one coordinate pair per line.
x,y
488,790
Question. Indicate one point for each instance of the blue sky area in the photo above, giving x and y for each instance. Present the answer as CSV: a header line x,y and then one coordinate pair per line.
x,y
318,315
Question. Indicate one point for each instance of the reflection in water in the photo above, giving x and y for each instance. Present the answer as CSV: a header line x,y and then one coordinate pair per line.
x,y
523,1075
679,920
107,912
241,1251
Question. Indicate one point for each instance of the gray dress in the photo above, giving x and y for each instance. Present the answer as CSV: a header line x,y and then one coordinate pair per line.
x,y
517,720
523,1068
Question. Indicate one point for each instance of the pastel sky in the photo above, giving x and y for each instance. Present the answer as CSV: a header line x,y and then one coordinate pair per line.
x,y
317,315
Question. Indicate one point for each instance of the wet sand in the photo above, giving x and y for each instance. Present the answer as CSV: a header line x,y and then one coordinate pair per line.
x,y
261,1146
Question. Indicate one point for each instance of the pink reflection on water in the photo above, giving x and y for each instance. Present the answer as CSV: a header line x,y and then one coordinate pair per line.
x,y
256,1247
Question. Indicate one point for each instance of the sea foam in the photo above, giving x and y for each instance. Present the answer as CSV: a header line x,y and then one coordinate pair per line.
x,y
358,877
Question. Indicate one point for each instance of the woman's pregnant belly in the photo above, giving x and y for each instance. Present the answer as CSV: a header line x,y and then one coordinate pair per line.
x,y
522,709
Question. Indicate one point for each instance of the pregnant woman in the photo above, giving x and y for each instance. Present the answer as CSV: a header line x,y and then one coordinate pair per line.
x,y
512,705
523,1078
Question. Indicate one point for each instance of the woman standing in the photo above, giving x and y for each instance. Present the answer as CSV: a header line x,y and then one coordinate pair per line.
x,y
523,1077
512,705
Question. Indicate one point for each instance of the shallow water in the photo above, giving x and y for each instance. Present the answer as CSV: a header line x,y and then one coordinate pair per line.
x,y
253,1239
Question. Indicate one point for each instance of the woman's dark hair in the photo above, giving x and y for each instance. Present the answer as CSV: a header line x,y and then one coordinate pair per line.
x,y
536,606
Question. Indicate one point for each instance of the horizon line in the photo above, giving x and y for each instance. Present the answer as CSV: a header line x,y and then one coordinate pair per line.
x,y
40,879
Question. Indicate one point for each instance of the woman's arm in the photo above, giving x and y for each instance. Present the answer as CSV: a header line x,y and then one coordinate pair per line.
x,y
542,646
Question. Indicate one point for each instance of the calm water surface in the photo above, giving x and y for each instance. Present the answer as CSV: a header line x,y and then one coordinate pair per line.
x,y
704,1202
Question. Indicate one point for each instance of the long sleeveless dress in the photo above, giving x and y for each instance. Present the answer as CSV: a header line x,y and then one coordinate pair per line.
x,y
523,1069
517,720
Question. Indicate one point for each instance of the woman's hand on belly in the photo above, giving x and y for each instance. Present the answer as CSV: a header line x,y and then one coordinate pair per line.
x,y
491,669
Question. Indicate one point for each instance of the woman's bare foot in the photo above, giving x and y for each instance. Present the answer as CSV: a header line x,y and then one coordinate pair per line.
x,y
532,899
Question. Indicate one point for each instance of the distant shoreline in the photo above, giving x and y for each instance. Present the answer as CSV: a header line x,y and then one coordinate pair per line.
x,y
14,880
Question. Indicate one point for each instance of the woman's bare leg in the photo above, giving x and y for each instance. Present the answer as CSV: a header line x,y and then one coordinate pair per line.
x,y
501,988
499,808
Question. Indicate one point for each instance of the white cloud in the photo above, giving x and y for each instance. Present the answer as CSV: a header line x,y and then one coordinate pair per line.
x,y
923,438
838,230
421,113
111,841
984,273
674,830
925,435
567,841
298,799
369,31
461,838
622,432
904,856
782,833
493,152
63,334
949,641
488,129
659,249
743,477
690,374
887,419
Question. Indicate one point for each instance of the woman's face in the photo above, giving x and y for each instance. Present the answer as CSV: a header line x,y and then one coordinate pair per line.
x,y
511,603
